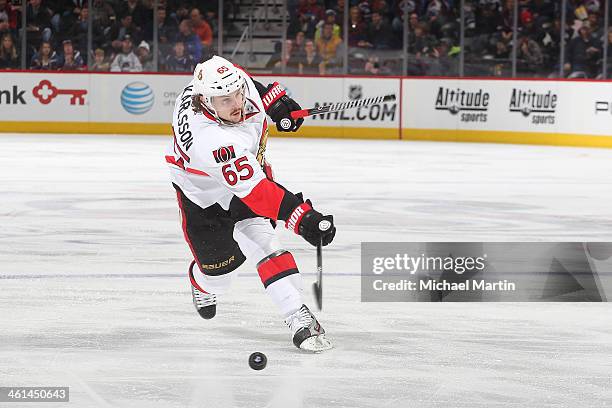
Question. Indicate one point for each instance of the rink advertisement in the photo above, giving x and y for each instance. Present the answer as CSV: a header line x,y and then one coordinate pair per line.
x,y
507,111
378,121
574,113
143,104
485,272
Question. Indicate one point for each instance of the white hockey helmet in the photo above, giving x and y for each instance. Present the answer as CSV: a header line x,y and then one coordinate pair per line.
x,y
216,77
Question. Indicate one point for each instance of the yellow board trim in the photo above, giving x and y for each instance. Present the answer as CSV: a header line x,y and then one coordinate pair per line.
x,y
328,132
440,135
493,136
87,127
165,129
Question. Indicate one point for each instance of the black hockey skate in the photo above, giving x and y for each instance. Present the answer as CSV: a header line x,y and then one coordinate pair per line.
x,y
308,334
205,303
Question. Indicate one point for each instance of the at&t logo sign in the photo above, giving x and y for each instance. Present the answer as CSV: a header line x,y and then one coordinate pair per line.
x,y
137,98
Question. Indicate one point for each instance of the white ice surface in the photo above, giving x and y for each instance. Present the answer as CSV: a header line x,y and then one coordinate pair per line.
x,y
93,293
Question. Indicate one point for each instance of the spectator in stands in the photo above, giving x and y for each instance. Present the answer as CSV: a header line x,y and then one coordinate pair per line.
x,y
488,19
543,10
502,49
582,54
144,56
372,65
502,42
9,59
100,63
529,55
102,14
192,43
379,33
609,56
124,27
78,31
8,18
275,59
201,28
421,42
213,22
64,13
357,30
284,57
180,61
365,9
45,59
38,20
328,47
299,44
440,62
310,62
70,60
330,17
167,28
181,13
438,13
306,23
312,8
126,60
141,16
413,21
402,9
528,26
594,22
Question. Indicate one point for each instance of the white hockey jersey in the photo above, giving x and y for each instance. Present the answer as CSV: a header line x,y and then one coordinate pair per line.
x,y
211,163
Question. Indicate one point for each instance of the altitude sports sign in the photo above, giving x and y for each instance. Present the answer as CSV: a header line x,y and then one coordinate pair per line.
x,y
538,112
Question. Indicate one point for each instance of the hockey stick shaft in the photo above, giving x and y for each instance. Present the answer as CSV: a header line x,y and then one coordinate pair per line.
x,y
340,106
318,285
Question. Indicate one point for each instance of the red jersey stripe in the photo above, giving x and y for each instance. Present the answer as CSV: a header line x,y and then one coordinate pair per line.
x,y
196,171
178,163
265,199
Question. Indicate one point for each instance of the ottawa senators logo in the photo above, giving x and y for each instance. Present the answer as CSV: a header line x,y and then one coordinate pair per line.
x,y
224,154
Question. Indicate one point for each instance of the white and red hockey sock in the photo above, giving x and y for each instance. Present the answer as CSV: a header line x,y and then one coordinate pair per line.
x,y
209,284
280,276
276,267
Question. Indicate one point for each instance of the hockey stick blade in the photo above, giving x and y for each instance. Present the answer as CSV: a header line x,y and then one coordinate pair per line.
x,y
337,107
317,287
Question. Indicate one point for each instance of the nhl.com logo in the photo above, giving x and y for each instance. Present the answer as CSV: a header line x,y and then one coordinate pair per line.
x,y
137,98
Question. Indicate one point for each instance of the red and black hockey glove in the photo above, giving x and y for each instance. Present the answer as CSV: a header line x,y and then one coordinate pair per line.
x,y
313,226
279,107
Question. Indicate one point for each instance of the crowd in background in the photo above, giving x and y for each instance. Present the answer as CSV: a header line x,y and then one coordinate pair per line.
x,y
122,36
376,36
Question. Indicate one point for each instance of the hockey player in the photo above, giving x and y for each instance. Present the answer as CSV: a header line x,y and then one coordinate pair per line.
x,y
228,199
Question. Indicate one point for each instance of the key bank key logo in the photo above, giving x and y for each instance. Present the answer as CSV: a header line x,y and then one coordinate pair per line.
x,y
137,98
46,92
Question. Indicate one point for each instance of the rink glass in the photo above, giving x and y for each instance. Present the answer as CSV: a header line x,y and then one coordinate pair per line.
x,y
263,37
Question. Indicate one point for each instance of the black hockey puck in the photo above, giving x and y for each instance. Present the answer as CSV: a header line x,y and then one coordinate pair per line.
x,y
258,361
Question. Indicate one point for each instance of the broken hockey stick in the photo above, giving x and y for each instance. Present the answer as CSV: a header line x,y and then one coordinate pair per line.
x,y
317,287
340,106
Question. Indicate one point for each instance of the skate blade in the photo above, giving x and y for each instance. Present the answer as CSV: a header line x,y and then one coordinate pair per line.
x,y
316,344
